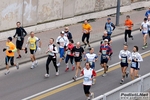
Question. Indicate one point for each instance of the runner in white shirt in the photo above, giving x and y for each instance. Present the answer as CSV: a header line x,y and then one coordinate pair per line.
x,y
62,41
125,57
88,75
91,57
144,28
135,63
52,50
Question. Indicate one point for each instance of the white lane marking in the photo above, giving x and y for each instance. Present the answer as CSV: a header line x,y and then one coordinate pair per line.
x,y
58,86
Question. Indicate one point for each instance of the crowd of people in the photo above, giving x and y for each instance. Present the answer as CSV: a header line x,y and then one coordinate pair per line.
x,y
68,50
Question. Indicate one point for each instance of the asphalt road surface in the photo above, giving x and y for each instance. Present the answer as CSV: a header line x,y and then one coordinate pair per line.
x,y
25,82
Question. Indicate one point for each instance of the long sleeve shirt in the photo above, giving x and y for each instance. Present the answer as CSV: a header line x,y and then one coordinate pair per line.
x,y
20,32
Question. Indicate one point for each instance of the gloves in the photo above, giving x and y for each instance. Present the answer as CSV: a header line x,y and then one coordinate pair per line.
x,y
4,49
10,51
58,42
14,36
26,51
140,29
39,49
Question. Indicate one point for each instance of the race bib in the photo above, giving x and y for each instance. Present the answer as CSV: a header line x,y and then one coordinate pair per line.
x,y
68,52
32,45
77,54
62,44
86,79
85,31
133,64
104,52
127,28
123,60
104,57
19,38
109,29
91,63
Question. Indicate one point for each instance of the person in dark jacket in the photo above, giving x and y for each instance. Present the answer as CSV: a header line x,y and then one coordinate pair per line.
x,y
68,33
21,33
109,26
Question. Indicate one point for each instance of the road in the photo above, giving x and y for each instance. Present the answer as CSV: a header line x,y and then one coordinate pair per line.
x,y
25,82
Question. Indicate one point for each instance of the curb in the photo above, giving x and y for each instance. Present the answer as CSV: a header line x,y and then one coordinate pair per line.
x,y
45,55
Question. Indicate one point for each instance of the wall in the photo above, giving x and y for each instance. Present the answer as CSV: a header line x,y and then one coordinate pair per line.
x,y
42,15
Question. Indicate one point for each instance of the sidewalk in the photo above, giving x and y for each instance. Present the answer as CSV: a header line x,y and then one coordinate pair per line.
x,y
76,30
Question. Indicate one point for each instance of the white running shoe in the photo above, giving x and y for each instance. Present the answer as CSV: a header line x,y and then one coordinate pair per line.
x,y
17,66
57,73
104,75
92,95
46,75
7,72
58,64
32,66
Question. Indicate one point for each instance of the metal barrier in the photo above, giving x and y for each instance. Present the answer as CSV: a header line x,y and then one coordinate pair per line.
x,y
140,84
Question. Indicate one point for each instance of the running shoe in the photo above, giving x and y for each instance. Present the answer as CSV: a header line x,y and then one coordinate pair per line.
x,y
57,73
32,66
74,78
46,75
92,95
7,72
125,43
19,57
93,81
104,75
127,74
26,51
143,47
132,38
58,64
89,46
146,45
73,68
122,81
17,66
67,69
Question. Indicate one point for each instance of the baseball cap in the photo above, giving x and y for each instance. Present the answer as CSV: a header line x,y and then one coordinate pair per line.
x,y
9,38
108,18
106,40
62,32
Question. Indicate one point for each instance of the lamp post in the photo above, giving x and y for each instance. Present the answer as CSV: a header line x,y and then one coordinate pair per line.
x,y
118,12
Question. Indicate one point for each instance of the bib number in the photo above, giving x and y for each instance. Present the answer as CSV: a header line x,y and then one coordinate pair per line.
x,y
76,54
123,60
109,29
104,52
86,79
68,52
61,43
91,63
133,64
19,38
32,45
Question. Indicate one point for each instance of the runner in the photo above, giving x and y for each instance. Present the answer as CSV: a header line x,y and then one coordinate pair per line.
x,y
32,41
91,57
125,57
78,51
145,27
128,28
109,27
21,33
52,50
86,29
147,13
69,55
62,41
88,75
135,63
10,49
149,24
105,36
68,33
105,51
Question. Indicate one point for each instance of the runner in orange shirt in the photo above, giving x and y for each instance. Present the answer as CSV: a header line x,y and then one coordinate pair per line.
x,y
10,49
128,28
86,29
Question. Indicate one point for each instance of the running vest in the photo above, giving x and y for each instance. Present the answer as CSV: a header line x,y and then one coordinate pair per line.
x,y
32,42
124,56
91,58
109,28
145,27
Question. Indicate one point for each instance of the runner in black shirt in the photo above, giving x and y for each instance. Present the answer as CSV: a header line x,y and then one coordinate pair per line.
x,y
21,33
78,51
105,36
